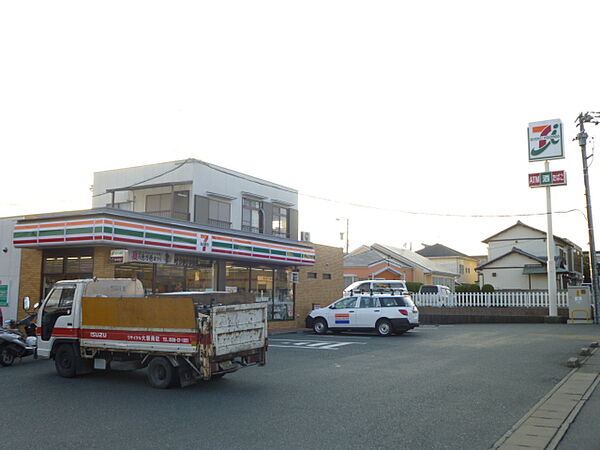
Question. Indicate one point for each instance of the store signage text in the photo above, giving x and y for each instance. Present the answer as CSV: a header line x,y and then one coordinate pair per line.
x,y
3,294
545,179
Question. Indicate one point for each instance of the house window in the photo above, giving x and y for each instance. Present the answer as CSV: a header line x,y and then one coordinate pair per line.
x,y
175,205
461,269
327,276
252,216
280,222
219,213
311,275
493,274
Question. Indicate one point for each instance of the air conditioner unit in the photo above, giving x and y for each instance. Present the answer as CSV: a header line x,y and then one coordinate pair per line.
x,y
305,236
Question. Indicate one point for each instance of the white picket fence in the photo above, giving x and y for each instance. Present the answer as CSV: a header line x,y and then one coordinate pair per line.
x,y
521,299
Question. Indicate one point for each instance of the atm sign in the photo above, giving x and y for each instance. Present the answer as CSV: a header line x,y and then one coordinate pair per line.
x,y
545,179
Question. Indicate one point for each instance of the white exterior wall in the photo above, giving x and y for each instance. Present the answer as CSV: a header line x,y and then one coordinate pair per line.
x,y
509,274
207,179
10,266
204,179
528,240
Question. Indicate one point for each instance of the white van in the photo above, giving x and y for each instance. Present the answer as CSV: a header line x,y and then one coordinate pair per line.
x,y
376,285
442,292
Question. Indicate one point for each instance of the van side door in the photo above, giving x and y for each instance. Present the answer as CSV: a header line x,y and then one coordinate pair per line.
x,y
343,314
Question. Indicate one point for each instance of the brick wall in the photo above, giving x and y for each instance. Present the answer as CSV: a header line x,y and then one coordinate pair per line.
x,y
102,265
319,290
30,284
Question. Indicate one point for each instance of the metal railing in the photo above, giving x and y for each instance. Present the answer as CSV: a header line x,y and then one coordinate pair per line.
x,y
219,223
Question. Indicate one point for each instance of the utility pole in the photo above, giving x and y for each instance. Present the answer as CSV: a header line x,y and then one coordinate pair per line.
x,y
347,231
582,136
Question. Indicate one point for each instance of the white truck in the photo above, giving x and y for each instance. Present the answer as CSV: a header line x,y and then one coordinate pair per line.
x,y
95,323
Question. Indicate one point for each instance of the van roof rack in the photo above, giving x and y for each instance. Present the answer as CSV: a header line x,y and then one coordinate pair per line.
x,y
387,290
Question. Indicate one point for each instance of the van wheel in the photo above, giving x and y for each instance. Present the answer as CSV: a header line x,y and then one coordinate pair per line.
x,y
320,326
6,357
160,373
65,361
384,328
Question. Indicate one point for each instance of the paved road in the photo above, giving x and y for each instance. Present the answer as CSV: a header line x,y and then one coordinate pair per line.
x,y
457,386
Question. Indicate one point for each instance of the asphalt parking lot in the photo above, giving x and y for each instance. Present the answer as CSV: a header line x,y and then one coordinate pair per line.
x,y
460,386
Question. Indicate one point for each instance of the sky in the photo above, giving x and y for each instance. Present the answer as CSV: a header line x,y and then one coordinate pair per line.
x,y
393,115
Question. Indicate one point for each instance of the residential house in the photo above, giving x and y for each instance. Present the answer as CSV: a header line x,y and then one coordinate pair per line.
x,y
517,259
453,261
392,263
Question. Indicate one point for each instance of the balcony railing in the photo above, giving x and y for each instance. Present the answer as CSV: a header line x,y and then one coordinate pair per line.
x,y
219,223
171,214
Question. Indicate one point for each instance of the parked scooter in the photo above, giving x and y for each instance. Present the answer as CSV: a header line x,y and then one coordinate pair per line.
x,y
15,344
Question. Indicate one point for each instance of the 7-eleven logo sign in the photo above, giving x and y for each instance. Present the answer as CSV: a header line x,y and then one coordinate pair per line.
x,y
545,140
204,243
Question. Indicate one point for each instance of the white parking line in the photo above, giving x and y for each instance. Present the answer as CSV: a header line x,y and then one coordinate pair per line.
x,y
311,344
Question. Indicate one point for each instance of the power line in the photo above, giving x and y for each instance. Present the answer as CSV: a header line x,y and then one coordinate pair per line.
x,y
424,213
149,179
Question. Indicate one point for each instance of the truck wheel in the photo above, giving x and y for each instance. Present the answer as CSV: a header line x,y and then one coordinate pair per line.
x,y
160,373
6,357
320,326
65,361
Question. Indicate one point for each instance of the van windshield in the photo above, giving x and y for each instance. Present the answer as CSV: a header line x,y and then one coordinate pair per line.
x,y
429,290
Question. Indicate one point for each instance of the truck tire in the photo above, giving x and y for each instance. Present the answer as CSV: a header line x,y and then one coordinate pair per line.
x,y
160,373
7,357
65,361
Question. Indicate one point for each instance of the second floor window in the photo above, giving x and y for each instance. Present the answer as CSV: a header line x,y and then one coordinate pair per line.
x,y
252,216
175,205
219,213
280,221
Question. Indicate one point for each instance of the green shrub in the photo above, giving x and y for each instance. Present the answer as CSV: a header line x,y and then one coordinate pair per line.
x,y
413,286
468,288
487,288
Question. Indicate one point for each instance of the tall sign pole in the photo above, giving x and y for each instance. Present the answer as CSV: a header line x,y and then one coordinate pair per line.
x,y
552,297
582,137
545,143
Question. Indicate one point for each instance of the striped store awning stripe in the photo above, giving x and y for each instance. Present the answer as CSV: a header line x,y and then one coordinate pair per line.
x,y
139,234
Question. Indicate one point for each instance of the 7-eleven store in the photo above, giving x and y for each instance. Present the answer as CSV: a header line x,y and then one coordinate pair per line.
x,y
166,255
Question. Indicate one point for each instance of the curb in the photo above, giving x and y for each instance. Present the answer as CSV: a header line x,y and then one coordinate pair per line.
x,y
562,430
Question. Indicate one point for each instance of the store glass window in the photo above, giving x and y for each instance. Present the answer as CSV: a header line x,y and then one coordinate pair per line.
x,y
200,277
283,300
79,264
169,278
238,278
261,284
66,264
139,271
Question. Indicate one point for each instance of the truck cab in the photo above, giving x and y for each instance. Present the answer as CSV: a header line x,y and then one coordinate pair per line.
x,y
59,315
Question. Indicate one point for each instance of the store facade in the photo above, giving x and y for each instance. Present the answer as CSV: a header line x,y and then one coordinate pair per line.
x,y
166,255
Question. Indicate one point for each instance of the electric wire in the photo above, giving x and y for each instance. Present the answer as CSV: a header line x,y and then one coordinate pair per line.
x,y
341,202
